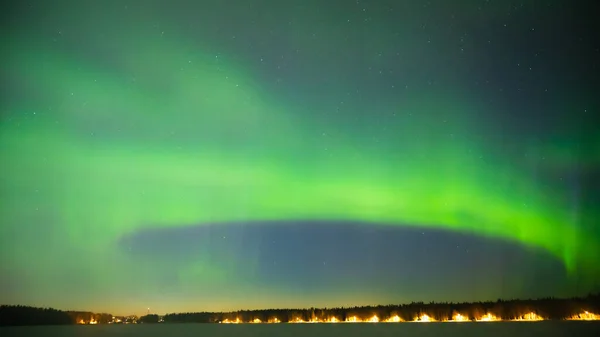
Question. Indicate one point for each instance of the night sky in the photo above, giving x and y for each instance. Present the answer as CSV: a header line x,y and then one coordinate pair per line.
x,y
231,154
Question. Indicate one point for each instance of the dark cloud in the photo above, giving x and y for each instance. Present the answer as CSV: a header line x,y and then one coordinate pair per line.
x,y
317,256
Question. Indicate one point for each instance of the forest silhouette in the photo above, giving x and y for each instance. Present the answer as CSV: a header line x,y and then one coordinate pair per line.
x,y
538,309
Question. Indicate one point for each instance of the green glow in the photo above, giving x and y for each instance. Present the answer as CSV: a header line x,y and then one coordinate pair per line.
x,y
183,137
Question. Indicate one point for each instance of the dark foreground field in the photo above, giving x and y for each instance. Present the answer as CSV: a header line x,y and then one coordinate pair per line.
x,y
467,329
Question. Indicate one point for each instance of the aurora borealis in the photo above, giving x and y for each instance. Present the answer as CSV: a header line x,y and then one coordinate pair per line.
x,y
227,154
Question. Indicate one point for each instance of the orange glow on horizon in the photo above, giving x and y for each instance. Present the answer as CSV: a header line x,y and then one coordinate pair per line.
x,y
488,318
373,319
394,319
456,317
424,318
585,316
352,319
531,316
92,321
459,318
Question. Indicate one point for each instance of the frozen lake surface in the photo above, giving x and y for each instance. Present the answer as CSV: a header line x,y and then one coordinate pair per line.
x,y
488,329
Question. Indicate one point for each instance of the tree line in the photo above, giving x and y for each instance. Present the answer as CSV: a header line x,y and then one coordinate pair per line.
x,y
546,308
27,315
24,315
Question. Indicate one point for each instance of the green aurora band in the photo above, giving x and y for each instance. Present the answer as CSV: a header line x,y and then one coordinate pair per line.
x,y
187,137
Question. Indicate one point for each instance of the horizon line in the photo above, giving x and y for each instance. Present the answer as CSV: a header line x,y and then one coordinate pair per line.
x,y
591,294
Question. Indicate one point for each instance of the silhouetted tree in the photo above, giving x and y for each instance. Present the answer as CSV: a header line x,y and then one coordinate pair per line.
x,y
151,318
548,308
23,315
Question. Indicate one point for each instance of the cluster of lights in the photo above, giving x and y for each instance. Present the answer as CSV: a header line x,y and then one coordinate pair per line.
x,y
457,317
585,316
488,318
92,321
373,319
128,320
424,318
352,319
332,319
531,316
394,319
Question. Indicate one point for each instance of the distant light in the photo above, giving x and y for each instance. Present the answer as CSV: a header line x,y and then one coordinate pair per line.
x,y
395,318
585,316
424,318
459,318
531,316
373,319
488,318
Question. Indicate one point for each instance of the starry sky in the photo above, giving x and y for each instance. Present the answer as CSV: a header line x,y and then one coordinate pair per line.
x,y
228,154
